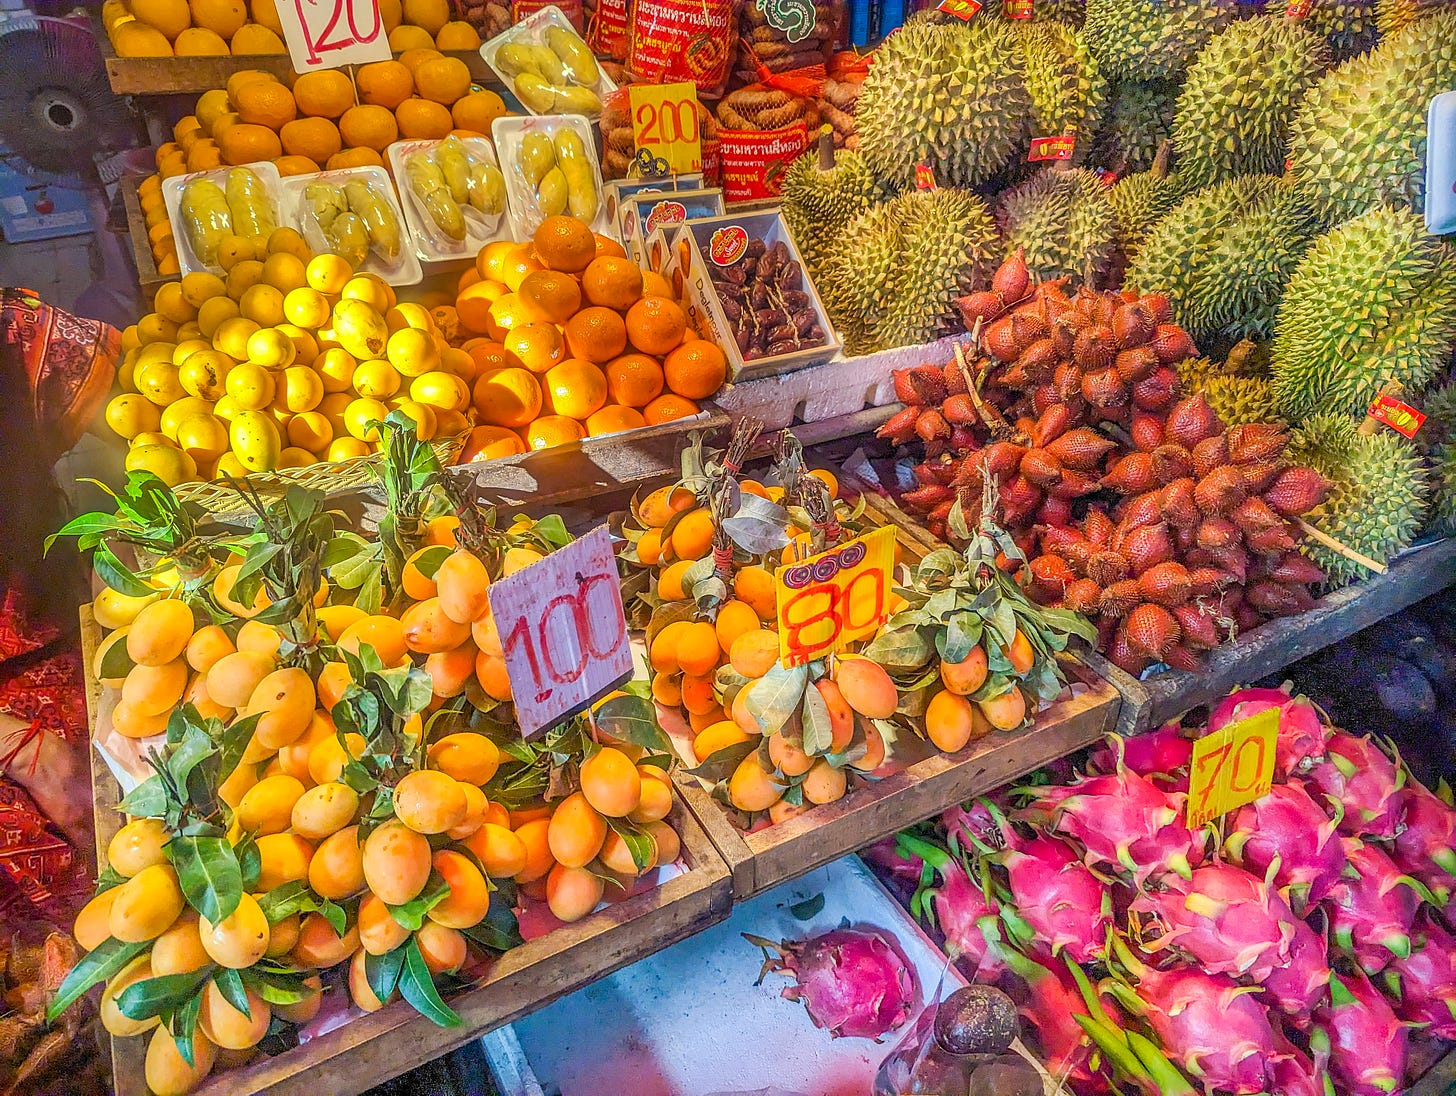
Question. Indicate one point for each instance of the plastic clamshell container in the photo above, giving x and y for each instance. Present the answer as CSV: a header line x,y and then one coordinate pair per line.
x,y
187,259
531,31
616,190
1441,164
685,262
639,215
404,269
521,200
432,244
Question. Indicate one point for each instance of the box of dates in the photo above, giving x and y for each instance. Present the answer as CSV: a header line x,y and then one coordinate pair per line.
x,y
743,284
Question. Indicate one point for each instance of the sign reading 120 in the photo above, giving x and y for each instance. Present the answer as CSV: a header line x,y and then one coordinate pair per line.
x,y
331,33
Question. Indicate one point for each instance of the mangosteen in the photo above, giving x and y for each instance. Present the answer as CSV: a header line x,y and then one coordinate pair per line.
x,y
976,1020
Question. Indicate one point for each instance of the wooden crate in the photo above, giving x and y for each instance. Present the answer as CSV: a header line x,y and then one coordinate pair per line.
x,y
922,789
136,230
375,1047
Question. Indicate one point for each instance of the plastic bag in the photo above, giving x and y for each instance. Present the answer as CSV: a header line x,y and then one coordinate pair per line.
x,y
786,35
763,128
619,144
673,40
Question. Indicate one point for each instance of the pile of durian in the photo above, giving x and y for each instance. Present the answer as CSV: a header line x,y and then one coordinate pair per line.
x,y
1266,173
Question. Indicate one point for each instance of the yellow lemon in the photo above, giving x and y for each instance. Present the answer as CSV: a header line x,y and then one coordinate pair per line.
x,y
376,379
347,449
168,463
213,312
302,389
305,346
130,414
173,415
284,271
372,290
336,368
440,390
231,337
158,382
245,274
154,327
255,441
422,416
359,414
413,352
203,437
268,346
306,307
250,386
310,430
262,304
227,409
328,273
187,348
170,302
204,374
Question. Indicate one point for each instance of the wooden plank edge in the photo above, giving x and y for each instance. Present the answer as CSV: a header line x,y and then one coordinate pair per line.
x,y
136,229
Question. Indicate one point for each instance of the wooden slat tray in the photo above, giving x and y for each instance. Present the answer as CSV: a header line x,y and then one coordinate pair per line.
x,y
136,230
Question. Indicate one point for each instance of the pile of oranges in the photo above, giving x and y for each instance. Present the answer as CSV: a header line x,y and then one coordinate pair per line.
x,y
574,340
221,28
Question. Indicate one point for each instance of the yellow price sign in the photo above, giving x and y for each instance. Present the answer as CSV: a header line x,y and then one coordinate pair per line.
x,y
665,127
1232,766
834,598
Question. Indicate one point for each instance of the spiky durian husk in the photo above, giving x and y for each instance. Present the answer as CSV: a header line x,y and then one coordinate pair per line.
x,y
1378,497
1223,255
1152,39
1068,91
1240,94
1395,15
1372,301
1063,221
951,96
892,274
1239,400
1142,200
1068,12
1348,26
1443,495
816,203
1358,139
1138,119
1439,407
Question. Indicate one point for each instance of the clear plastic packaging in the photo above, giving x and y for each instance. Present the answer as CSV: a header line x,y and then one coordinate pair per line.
x,y
453,193
205,206
672,40
354,212
547,65
550,164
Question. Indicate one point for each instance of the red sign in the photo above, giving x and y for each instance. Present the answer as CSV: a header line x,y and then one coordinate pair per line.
x,y
1052,148
1400,417
728,245
666,213
333,33
961,9
1298,9
563,631
1016,9
753,162
924,177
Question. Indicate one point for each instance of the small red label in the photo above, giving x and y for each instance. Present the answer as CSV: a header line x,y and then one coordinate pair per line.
x,y
924,177
961,9
1289,163
666,213
1298,9
1400,417
1052,148
1105,177
1016,9
727,245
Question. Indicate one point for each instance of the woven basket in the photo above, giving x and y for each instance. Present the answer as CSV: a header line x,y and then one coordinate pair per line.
x,y
330,477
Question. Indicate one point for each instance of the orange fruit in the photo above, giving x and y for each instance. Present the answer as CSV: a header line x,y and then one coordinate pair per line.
x,y
610,782
612,282
608,247
564,243
634,380
409,38
655,325
508,397
489,356
458,35
549,296
655,285
265,103
614,418
245,144
295,165
368,127
536,345
516,263
596,334
473,303
384,84
575,388
442,79
324,94
316,138
422,118
489,442
552,430
355,157
696,369
477,110
692,536
668,407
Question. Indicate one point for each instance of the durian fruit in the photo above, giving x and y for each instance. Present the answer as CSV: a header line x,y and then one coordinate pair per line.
x,y
1143,199
1239,96
1239,400
1152,39
892,274
1358,139
1222,256
1394,15
1372,301
1347,26
1379,492
1443,495
1439,407
1138,119
950,96
823,190
1068,12
1063,221
1068,92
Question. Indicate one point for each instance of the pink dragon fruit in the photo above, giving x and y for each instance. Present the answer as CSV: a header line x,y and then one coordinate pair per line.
x,y
1051,1001
1425,847
980,823
853,983
1291,1072
1228,920
967,918
1423,985
1122,820
1301,985
1161,755
1365,1042
890,862
1056,900
1302,733
1373,907
1209,1025
1287,831
1359,775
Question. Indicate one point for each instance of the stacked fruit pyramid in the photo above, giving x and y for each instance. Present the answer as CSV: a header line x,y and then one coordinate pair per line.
x,y
339,778
1301,946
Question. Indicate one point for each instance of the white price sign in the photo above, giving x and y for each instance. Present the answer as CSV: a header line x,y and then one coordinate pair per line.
x,y
1441,165
324,34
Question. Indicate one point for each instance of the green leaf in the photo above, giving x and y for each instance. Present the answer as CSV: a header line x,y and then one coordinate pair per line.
x,y
418,988
754,532
719,765
900,650
108,879
428,561
250,861
116,663
382,972
411,914
163,994
809,908
633,719
208,872
147,800
552,530
117,575
818,727
499,930
235,739
962,633
774,697
184,1025
639,844
96,966
230,984
278,987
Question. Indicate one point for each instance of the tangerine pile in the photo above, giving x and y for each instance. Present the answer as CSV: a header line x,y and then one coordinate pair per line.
x,y
574,340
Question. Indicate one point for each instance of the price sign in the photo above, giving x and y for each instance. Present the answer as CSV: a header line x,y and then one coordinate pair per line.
x,y
835,597
924,177
665,125
1061,147
563,631
1400,417
961,9
1232,766
323,34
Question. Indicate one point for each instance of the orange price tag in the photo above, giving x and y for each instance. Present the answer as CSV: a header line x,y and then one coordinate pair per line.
x,y
834,598
1232,766
1401,417
924,177
323,34
665,124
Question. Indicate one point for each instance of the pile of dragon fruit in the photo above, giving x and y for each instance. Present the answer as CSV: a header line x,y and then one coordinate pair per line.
x,y
1302,938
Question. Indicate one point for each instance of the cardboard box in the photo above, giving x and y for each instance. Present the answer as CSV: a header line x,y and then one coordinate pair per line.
x,y
641,214
41,206
614,190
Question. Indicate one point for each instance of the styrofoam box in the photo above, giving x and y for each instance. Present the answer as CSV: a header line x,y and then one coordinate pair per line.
x,y
532,30
617,189
404,269
172,189
525,212
640,215
432,245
